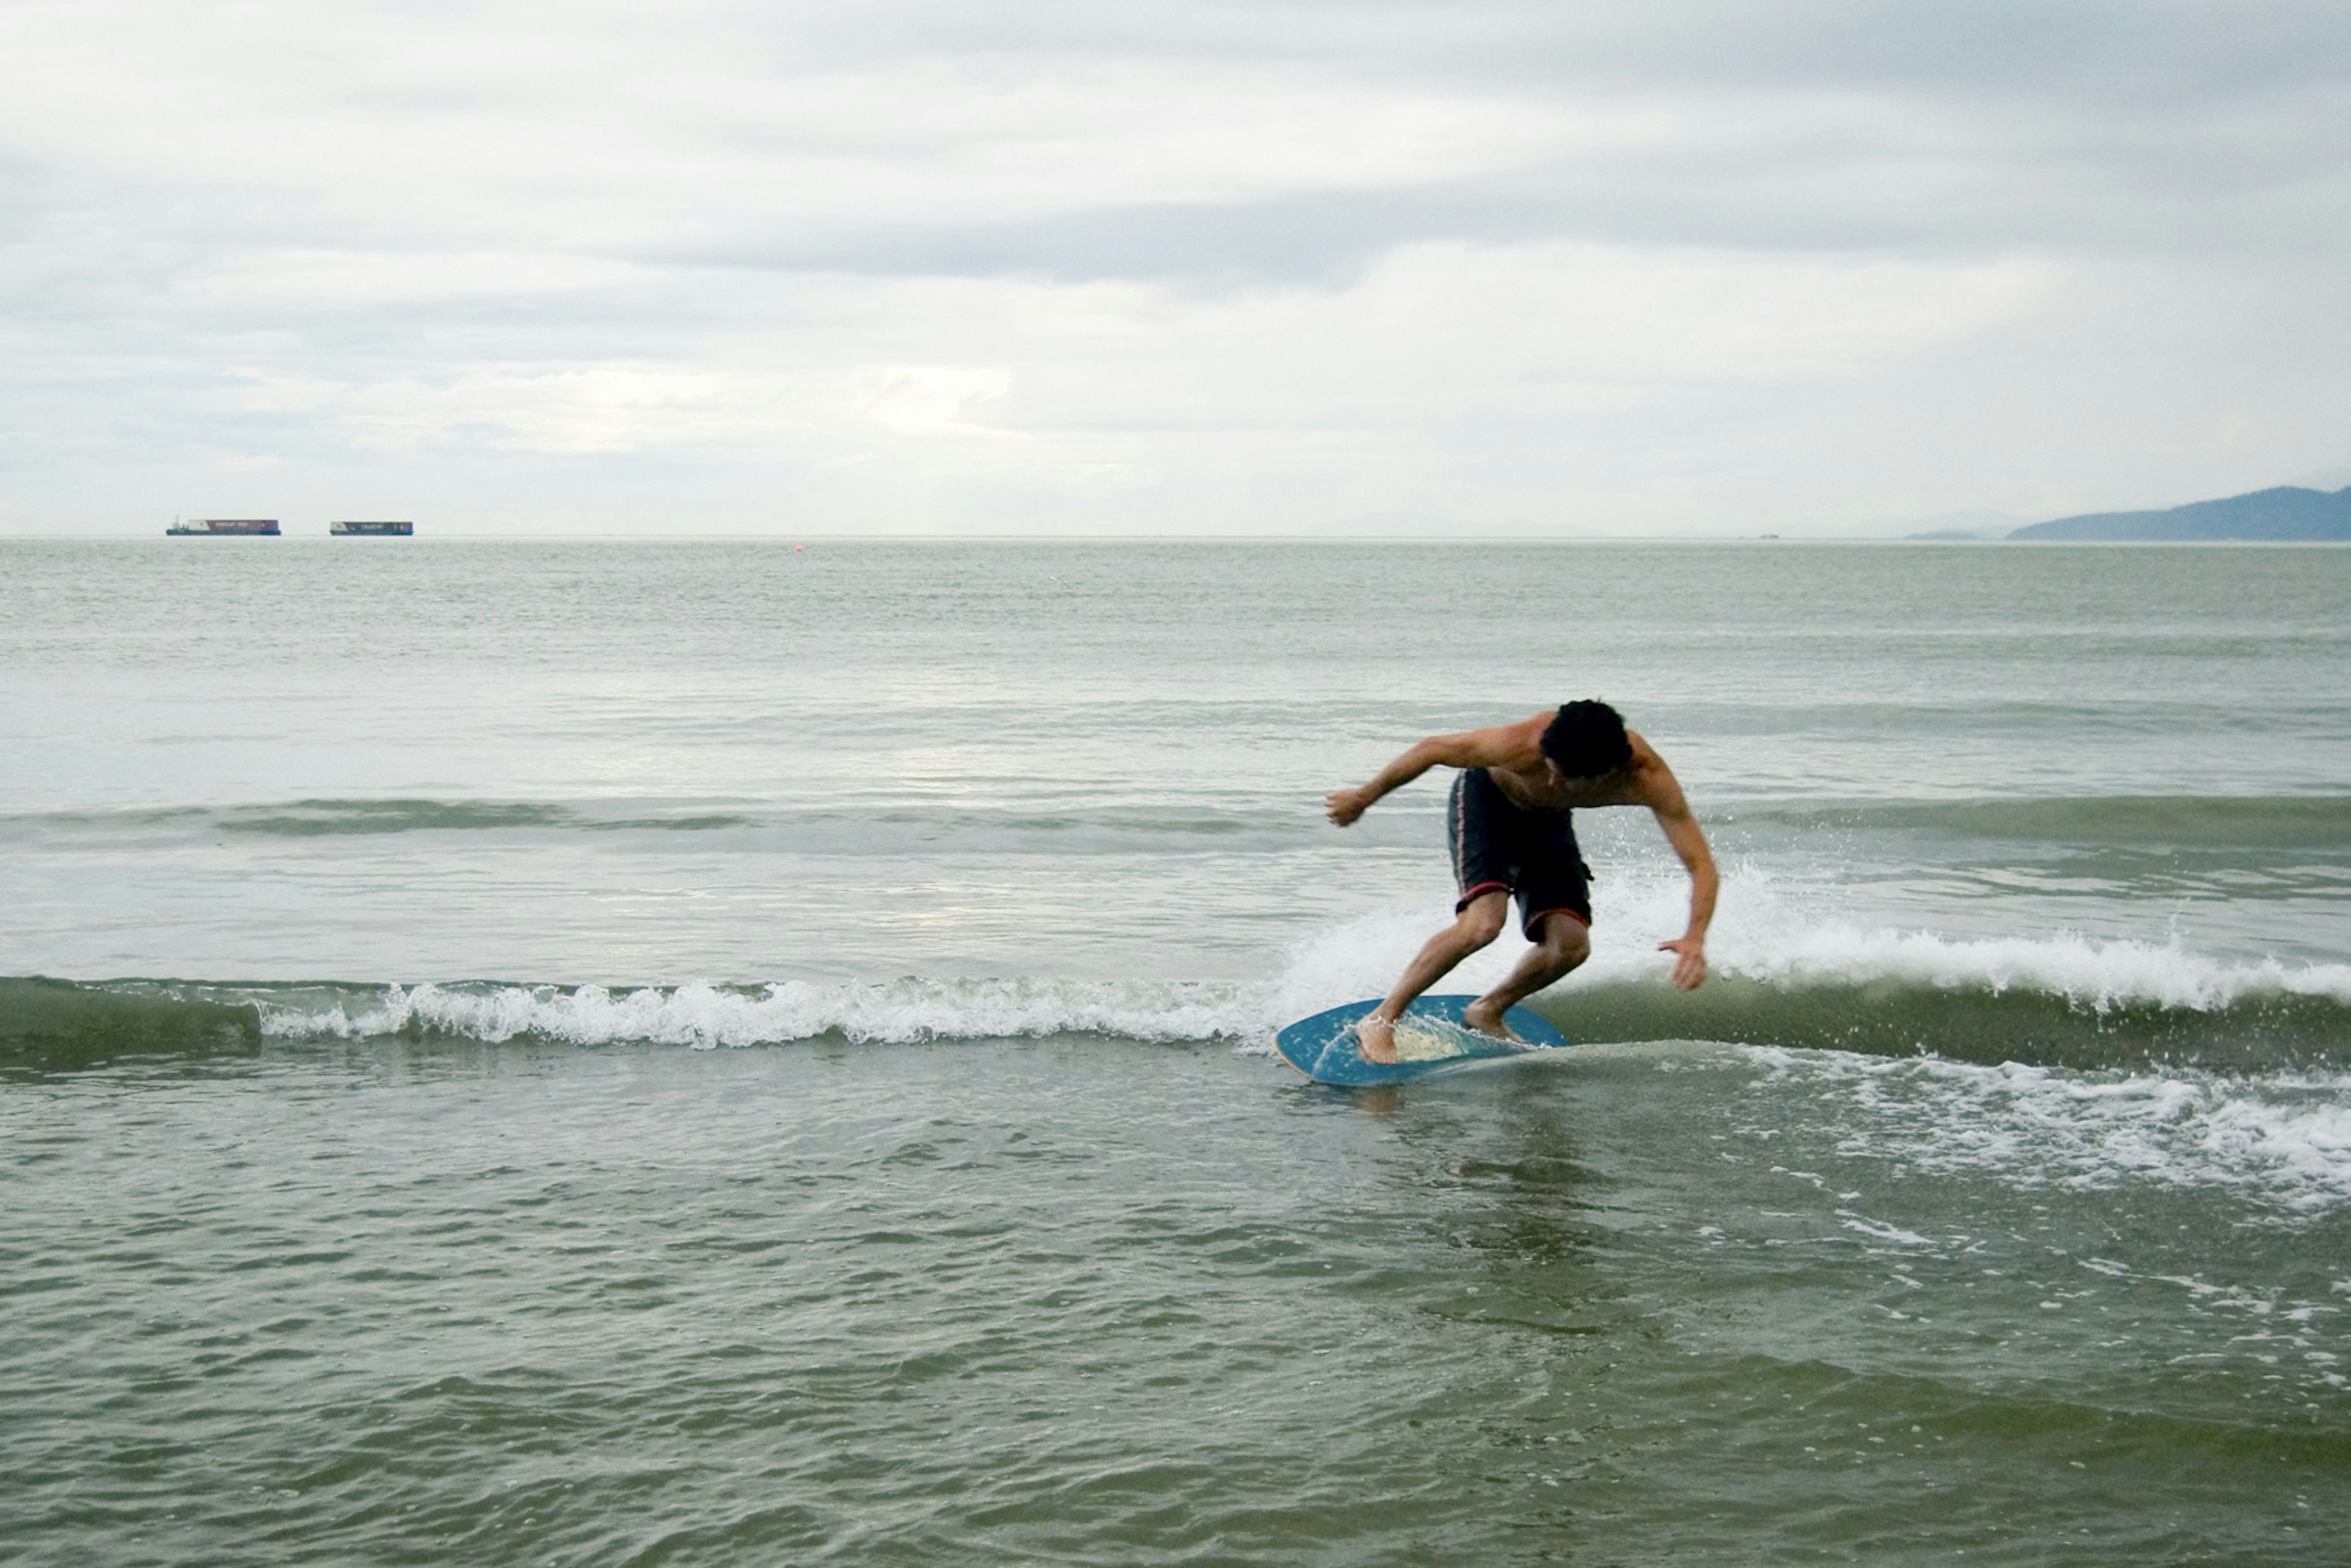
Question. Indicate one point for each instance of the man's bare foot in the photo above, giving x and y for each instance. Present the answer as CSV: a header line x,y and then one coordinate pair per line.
x,y
1487,1020
1377,1037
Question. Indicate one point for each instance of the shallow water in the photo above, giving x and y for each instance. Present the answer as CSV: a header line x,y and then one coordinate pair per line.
x,y
608,1052
1109,1302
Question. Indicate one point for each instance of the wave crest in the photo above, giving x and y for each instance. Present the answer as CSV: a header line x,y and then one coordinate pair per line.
x,y
2063,1000
704,1016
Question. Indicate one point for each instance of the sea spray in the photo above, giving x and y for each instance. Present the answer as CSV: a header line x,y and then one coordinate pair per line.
x,y
1779,979
2284,1139
705,1016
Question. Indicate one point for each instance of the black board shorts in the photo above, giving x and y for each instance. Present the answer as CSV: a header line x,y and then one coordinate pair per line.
x,y
1498,843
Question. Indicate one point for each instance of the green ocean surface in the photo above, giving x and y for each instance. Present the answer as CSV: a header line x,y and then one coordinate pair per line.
x,y
709,1052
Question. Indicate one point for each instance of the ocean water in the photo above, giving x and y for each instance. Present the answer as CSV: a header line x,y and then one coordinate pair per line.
x,y
719,1052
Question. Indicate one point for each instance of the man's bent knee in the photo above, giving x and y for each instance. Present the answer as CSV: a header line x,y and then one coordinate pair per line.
x,y
1565,939
1482,920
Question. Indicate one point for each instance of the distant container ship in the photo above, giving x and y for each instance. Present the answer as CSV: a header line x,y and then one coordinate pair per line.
x,y
394,528
213,525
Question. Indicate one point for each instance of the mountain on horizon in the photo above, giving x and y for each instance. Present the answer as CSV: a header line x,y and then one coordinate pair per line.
x,y
2283,514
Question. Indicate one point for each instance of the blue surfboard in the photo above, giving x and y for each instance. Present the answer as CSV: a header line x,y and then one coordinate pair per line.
x,y
1430,1038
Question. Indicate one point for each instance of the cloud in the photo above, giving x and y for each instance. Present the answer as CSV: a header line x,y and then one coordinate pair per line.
x,y
901,137
293,280
634,407
1639,266
1446,332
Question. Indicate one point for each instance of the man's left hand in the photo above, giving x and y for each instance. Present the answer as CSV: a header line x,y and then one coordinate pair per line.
x,y
1689,962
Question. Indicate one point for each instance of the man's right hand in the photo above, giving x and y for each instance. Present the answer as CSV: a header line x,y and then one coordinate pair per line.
x,y
1346,805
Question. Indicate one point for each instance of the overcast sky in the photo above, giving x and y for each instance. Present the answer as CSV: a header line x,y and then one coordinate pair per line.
x,y
1673,266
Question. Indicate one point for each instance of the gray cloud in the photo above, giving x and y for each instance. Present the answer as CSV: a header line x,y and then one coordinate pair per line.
x,y
2110,128
750,248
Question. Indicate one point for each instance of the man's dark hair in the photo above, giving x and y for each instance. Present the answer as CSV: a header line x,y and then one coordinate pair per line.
x,y
1587,739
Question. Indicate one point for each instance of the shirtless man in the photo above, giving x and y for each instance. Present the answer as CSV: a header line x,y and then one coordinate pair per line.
x,y
1510,827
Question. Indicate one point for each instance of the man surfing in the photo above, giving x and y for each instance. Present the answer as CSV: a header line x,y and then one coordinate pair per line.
x,y
1510,827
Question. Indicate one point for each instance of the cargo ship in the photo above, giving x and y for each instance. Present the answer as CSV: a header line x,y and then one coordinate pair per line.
x,y
396,530
210,527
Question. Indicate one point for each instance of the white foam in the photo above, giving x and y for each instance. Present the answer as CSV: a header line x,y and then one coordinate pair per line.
x,y
1364,956
1879,1231
1759,935
706,1015
2285,1142
2098,975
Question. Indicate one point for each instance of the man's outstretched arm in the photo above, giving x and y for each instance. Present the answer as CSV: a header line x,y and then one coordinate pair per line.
x,y
1471,748
1683,832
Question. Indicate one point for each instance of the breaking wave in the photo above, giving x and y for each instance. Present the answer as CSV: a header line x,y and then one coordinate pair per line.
x,y
894,1012
2064,1001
